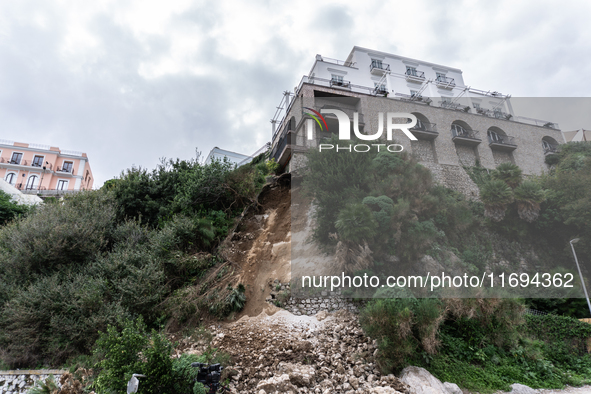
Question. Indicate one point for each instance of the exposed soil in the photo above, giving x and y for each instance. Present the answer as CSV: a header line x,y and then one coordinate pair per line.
x,y
260,246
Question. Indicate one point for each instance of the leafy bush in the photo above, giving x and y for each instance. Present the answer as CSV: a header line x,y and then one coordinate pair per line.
x,y
57,235
133,350
402,327
496,195
10,210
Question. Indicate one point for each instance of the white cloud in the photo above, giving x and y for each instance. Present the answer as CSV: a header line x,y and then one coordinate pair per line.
x,y
132,81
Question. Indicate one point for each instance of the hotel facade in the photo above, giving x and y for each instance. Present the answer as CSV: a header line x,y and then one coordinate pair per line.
x,y
42,169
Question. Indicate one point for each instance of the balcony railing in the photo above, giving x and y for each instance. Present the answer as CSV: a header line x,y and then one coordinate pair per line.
x,y
445,82
341,84
501,142
465,137
456,106
424,130
338,62
15,162
550,150
415,76
380,90
378,68
65,169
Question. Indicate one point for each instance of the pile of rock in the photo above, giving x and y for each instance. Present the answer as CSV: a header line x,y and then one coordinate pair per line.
x,y
326,354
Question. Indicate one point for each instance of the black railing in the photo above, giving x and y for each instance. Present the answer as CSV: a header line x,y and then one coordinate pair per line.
x,y
441,80
463,133
65,169
500,139
415,73
380,90
424,126
379,66
550,149
340,83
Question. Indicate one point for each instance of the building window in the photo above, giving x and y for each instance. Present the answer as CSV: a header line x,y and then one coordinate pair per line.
x,y
419,125
458,130
441,77
67,167
476,105
11,178
62,185
32,182
381,88
337,79
414,93
494,136
375,63
37,161
16,158
411,71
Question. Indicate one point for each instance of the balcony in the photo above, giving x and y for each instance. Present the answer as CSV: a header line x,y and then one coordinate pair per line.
x,y
379,68
340,84
15,162
550,149
424,130
465,137
500,142
415,76
455,106
380,91
67,170
445,82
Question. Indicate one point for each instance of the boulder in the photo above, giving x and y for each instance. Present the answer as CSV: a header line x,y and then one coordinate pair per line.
x,y
276,383
422,382
299,375
452,388
517,388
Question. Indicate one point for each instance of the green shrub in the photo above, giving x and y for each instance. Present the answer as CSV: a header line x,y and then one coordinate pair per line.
x,y
9,210
120,355
57,235
402,328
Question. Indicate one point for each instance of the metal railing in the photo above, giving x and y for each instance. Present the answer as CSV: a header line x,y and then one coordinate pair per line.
x,y
379,66
326,82
424,126
338,62
415,74
550,149
340,84
500,139
463,133
67,170
15,162
440,80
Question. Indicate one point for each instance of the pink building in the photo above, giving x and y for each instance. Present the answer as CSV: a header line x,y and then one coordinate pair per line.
x,y
43,169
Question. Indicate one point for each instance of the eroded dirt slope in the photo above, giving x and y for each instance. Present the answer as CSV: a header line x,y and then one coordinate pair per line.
x,y
260,245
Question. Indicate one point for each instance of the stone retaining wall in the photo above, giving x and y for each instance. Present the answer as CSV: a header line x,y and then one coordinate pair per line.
x,y
20,381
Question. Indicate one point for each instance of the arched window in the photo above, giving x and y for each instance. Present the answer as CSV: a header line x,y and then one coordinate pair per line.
x,y
10,178
550,145
458,130
32,182
493,136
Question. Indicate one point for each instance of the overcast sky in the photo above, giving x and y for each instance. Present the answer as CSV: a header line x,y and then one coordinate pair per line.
x,y
129,82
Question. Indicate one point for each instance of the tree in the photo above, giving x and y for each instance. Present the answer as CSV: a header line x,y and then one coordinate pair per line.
x,y
496,195
529,195
509,173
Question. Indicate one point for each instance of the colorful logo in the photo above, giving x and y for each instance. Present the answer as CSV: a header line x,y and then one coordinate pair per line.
x,y
316,118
